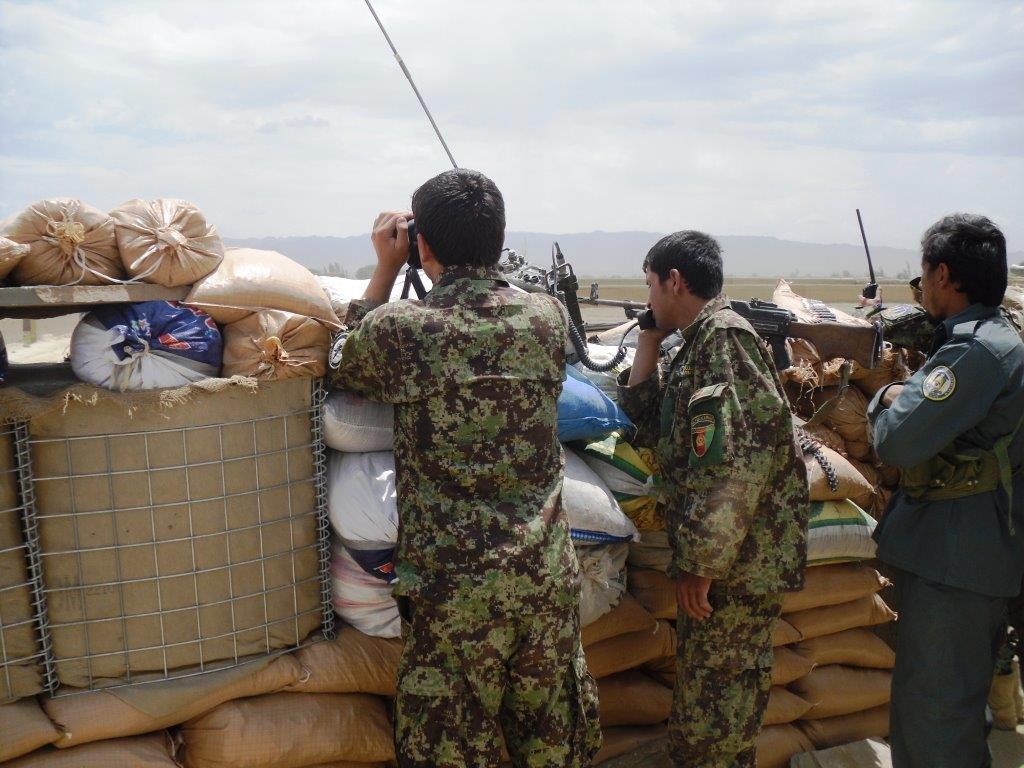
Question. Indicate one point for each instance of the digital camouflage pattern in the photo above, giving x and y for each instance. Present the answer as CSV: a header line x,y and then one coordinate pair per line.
x,y
724,682
906,325
474,370
734,480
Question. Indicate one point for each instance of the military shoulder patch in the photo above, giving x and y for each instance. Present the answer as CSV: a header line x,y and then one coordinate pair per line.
x,y
707,426
702,433
939,384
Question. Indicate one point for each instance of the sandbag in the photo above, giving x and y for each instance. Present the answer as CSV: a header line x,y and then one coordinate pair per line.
x,y
848,415
11,254
784,633
166,242
789,665
839,531
342,290
617,654
833,731
890,367
663,670
654,590
626,739
633,698
603,573
606,381
784,706
850,484
625,333
364,601
24,727
353,662
131,710
855,647
585,412
148,345
837,690
69,242
154,750
805,368
290,730
627,616
271,344
362,501
248,280
776,744
594,515
867,471
811,310
833,584
630,475
826,436
830,619
357,425
651,551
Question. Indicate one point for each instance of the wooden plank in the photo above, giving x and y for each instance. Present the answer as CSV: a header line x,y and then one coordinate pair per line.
x,y
53,300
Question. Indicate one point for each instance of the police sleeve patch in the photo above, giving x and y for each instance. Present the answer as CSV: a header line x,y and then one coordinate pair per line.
x,y
939,384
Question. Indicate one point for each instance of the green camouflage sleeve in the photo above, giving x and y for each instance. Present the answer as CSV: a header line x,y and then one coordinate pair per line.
x,y
641,403
733,418
371,356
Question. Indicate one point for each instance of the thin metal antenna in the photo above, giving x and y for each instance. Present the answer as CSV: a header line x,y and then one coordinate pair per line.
x,y
414,88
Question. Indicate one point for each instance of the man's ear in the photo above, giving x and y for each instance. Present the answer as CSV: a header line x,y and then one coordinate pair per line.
x,y
678,282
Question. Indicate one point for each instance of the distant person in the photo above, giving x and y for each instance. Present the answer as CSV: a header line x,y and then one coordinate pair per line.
x,y
485,564
736,491
954,529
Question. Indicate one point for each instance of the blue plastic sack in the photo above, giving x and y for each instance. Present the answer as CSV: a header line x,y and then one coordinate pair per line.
x,y
163,325
585,412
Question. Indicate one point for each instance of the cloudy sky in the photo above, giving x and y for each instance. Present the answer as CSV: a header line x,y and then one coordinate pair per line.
x,y
739,117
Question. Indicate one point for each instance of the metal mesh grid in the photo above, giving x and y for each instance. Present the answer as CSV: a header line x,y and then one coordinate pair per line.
x,y
24,645
173,552
324,528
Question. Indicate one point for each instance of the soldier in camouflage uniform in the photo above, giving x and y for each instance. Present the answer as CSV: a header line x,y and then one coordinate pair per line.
x,y
737,498
484,560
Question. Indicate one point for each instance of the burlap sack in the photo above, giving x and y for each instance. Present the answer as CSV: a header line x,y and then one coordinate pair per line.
x,y
784,706
69,242
851,484
776,744
663,670
867,471
654,590
805,364
789,665
24,727
270,344
784,634
633,698
210,551
849,415
166,242
652,551
837,690
154,750
826,436
11,254
627,616
890,367
20,671
290,730
249,280
624,740
351,663
617,654
833,731
855,647
833,584
805,309
830,619
131,710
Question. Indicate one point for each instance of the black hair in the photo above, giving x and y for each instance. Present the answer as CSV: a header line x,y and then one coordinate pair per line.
x,y
974,250
461,215
697,256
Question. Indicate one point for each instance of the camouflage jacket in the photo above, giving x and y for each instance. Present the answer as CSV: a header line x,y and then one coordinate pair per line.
x,y
735,480
474,371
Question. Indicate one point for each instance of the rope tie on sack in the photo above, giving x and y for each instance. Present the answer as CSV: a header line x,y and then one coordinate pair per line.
x,y
68,234
124,369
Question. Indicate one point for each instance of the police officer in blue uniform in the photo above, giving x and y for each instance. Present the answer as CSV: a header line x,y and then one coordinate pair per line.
x,y
955,529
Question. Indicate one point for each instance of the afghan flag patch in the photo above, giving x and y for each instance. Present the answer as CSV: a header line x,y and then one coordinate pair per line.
x,y
702,433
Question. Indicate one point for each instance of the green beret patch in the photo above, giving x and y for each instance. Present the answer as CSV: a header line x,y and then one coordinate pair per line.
x,y
939,384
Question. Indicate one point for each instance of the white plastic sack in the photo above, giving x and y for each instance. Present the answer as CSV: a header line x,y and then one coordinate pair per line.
x,y
607,381
362,500
341,290
594,514
353,423
603,568
362,600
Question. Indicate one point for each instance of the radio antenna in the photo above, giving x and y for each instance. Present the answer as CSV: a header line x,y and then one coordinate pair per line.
x,y
415,90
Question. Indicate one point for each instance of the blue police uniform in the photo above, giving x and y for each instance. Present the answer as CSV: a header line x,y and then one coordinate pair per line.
x,y
955,532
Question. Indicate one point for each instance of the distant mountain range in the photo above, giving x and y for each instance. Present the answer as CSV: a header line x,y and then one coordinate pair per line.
x,y
607,254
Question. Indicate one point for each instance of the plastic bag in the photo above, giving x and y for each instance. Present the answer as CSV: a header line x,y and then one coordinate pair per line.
x,y
354,424
362,600
362,502
585,412
593,513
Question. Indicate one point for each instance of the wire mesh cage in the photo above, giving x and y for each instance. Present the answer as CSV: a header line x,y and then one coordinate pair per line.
x,y
178,543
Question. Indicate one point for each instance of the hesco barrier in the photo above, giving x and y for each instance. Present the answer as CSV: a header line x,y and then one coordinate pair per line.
x,y
160,535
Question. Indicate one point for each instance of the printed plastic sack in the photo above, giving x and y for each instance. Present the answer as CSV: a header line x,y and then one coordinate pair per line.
x,y
593,513
839,531
606,381
270,344
629,474
341,290
166,242
353,423
585,412
362,502
603,569
145,346
11,253
69,243
364,601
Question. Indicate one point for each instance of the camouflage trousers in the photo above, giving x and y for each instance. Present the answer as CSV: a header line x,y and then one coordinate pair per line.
x,y
476,669
723,676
